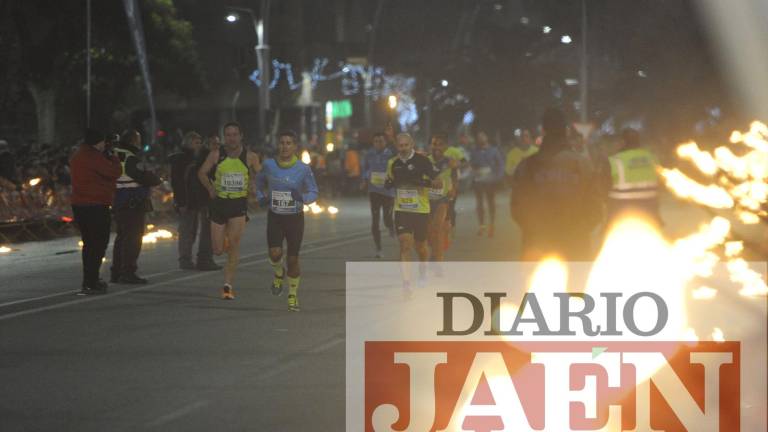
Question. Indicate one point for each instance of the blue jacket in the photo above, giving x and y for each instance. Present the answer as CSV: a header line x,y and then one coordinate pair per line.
x,y
487,165
282,186
375,170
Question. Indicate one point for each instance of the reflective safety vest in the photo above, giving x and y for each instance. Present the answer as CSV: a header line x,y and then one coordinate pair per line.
x,y
125,181
634,175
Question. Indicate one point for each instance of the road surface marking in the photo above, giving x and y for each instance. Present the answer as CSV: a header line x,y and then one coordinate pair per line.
x,y
352,238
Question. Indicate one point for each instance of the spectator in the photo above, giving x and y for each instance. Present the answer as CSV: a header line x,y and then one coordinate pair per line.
x,y
556,201
94,173
131,203
191,202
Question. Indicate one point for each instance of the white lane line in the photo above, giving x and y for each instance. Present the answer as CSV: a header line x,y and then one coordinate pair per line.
x,y
153,275
181,412
27,300
353,239
295,360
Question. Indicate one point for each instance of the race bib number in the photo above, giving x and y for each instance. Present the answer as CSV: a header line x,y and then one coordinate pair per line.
x,y
408,199
233,182
436,194
378,178
483,173
282,201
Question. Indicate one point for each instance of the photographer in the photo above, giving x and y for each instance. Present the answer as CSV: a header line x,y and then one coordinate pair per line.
x,y
94,173
131,203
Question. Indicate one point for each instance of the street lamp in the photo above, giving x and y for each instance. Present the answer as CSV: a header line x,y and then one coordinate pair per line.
x,y
392,102
260,27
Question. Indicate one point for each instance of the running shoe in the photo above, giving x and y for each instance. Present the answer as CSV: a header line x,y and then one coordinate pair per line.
x,y
277,284
227,293
293,303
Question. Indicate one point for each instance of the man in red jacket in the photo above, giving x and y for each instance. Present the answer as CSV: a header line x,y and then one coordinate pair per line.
x,y
94,176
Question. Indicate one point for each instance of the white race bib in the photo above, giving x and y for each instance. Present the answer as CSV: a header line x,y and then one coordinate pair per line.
x,y
408,198
436,193
378,178
233,182
282,201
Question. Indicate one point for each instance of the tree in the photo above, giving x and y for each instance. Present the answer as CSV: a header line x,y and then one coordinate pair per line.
x,y
46,40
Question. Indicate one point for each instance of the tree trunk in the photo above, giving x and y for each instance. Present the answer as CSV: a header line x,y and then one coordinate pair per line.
x,y
45,108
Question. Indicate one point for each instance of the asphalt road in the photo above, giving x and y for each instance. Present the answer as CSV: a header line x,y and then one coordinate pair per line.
x,y
172,356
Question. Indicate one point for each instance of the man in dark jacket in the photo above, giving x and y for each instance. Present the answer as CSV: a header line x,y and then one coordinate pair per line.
x,y
556,200
191,201
132,202
94,173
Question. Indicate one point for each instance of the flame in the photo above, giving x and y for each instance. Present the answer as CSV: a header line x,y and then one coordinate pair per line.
x,y
305,157
35,181
703,160
717,335
333,210
154,236
316,209
5,249
704,293
685,187
306,208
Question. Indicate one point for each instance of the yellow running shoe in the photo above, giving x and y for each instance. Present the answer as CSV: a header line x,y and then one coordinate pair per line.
x,y
227,293
293,303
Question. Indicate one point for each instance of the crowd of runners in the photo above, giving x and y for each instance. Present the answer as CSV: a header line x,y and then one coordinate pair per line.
x,y
556,199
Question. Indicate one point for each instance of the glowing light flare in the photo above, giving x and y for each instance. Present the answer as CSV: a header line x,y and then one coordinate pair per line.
x,y
683,186
752,282
636,258
703,160
35,181
704,293
392,102
329,147
306,208
305,157
749,218
5,249
316,209
80,244
333,210
154,236
717,335
733,248
730,163
696,248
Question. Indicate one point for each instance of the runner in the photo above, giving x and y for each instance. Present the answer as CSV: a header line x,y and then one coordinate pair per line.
x,y
381,198
411,174
232,166
284,186
457,153
487,170
439,225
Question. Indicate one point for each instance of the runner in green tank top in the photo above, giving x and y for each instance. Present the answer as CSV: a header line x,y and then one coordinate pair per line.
x,y
234,166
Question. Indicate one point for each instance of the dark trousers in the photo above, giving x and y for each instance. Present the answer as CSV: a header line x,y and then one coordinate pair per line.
x,y
94,224
190,220
130,230
485,192
380,203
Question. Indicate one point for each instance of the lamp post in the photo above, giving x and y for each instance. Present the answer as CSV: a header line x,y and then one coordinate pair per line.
x,y
261,28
